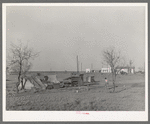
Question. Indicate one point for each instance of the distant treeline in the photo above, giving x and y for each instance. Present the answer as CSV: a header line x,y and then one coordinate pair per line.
x,y
51,71
43,72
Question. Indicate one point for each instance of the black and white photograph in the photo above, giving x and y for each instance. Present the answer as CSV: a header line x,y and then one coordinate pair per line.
x,y
75,61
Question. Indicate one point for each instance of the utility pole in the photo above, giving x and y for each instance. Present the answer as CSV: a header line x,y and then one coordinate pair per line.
x,y
81,66
77,65
130,62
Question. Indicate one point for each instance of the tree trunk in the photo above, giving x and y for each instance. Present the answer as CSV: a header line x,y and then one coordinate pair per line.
x,y
24,83
114,85
18,83
22,86
113,78
20,73
19,79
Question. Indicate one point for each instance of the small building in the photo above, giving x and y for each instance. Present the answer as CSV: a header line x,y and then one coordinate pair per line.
x,y
88,70
106,70
126,69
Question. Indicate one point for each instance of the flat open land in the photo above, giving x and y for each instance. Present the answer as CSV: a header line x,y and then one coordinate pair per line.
x,y
129,96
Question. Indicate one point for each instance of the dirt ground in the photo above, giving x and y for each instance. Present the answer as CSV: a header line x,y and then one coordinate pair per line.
x,y
129,96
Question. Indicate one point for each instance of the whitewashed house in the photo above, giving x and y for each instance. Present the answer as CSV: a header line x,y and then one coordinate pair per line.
x,y
126,69
88,70
106,70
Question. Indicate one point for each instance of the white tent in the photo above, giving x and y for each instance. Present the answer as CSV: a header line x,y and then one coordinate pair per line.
x,y
53,79
32,82
28,84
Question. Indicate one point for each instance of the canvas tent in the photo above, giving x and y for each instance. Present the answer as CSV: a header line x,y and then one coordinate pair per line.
x,y
53,79
32,82
28,84
38,81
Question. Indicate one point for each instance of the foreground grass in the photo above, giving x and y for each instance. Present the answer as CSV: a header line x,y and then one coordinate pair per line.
x,y
97,98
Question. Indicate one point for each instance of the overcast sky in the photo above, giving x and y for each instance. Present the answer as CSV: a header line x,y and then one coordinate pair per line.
x,y
61,33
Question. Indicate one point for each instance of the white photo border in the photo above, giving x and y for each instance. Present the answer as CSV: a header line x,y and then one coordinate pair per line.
x,y
71,115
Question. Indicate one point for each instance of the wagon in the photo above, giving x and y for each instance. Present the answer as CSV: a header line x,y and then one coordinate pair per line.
x,y
72,81
78,80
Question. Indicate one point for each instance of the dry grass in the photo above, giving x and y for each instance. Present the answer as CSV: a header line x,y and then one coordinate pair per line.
x,y
97,98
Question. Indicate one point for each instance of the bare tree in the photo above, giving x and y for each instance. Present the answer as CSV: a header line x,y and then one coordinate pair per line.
x,y
113,58
19,61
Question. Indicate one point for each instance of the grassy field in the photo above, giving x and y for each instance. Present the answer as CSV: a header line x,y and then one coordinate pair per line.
x,y
97,98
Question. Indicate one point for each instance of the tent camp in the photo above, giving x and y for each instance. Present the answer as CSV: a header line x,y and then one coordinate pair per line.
x,y
32,82
28,84
53,79
38,81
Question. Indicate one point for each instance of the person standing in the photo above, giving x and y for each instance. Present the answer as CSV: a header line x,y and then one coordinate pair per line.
x,y
106,82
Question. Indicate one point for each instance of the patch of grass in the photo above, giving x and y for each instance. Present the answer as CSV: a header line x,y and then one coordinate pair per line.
x,y
96,99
